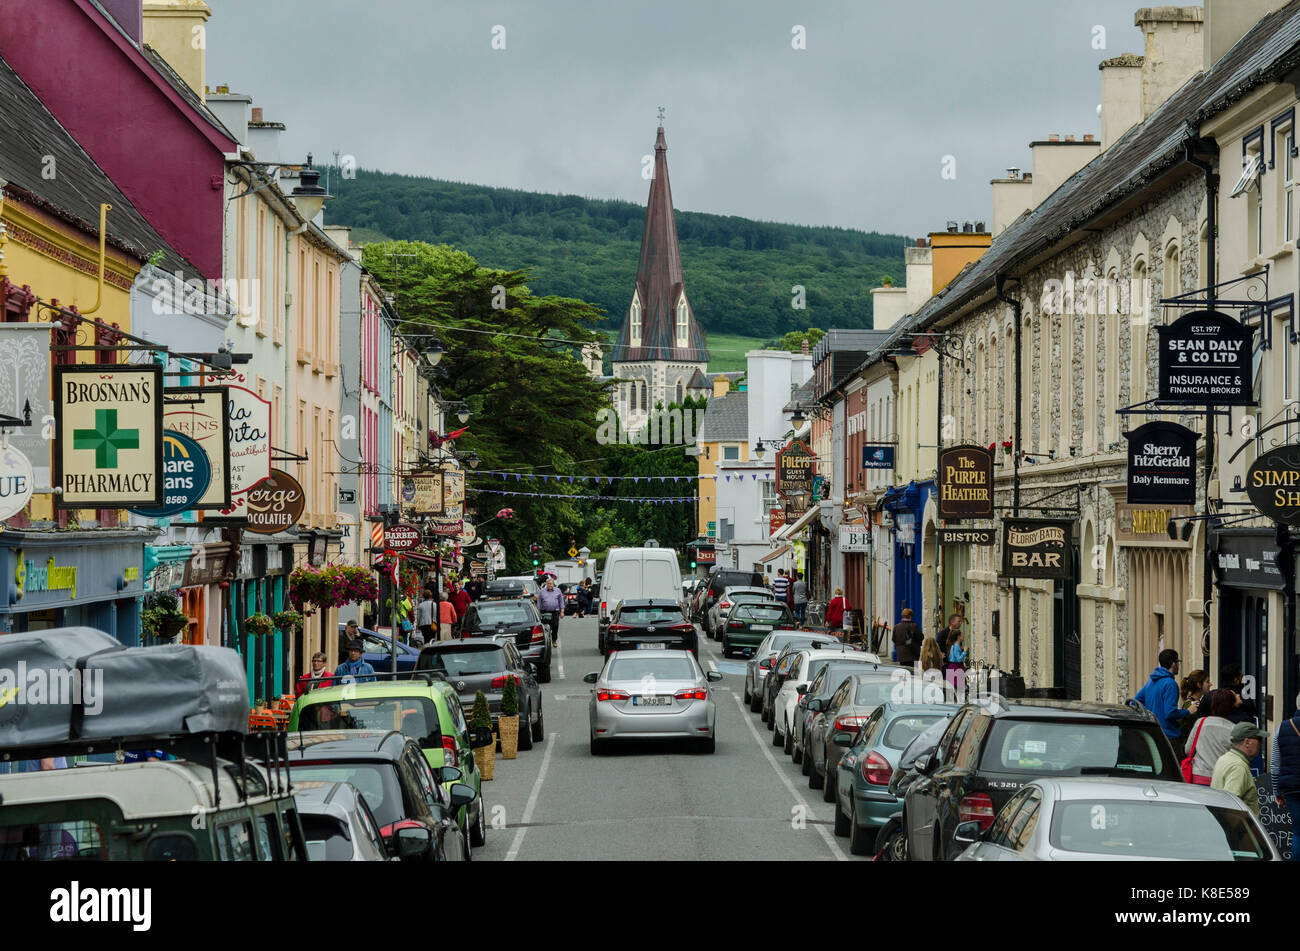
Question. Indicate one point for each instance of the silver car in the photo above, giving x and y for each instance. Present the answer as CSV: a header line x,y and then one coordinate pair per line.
x,y
337,823
1098,817
652,694
717,613
760,664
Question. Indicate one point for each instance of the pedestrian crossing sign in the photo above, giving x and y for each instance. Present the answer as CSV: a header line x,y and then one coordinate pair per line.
x,y
573,552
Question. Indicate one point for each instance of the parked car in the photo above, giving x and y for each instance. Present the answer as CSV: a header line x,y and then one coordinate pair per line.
x,y
636,573
749,622
1096,817
656,694
891,843
797,741
719,581
649,624
513,618
765,655
416,818
863,802
425,709
806,665
782,666
377,651
515,586
337,823
992,748
482,663
717,615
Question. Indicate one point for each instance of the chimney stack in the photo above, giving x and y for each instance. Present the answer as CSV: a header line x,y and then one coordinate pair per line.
x,y
129,15
174,28
1174,51
1227,21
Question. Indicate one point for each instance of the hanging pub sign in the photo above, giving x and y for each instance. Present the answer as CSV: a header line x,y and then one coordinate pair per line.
x,y
203,414
445,526
877,456
25,380
275,504
1036,548
794,476
108,441
422,493
186,476
980,537
1273,484
1205,358
776,520
16,481
1162,465
453,487
965,482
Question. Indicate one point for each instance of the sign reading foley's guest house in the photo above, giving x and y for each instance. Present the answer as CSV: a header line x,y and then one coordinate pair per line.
x,y
1162,465
1205,358
794,476
108,440
1036,548
1273,484
965,482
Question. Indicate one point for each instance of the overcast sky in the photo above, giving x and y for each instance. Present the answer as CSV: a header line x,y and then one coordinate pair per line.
x,y
850,131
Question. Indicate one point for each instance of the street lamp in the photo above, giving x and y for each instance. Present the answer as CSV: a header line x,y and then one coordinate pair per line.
x,y
433,355
308,196
471,457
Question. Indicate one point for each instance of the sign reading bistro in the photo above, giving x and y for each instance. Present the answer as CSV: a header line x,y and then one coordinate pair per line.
x,y
965,482
1273,484
1036,548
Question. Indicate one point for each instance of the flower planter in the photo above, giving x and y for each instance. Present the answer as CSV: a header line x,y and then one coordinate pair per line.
x,y
508,730
485,758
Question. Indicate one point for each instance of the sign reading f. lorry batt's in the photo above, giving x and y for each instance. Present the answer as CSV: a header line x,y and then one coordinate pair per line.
x,y
1036,548
1205,358
108,441
1162,465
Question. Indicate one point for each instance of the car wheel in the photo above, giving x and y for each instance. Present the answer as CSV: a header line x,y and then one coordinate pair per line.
x,y
777,736
544,674
815,779
763,714
828,785
859,838
539,729
748,697
709,745
842,820
478,834
788,746
936,838
796,752
526,734
755,704
597,747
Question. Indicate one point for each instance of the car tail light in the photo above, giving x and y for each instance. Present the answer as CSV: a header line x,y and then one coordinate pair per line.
x,y
393,827
619,628
603,606
539,633
876,769
683,628
449,755
976,807
499,682
612,695
692,693
734,624
849,723
724,605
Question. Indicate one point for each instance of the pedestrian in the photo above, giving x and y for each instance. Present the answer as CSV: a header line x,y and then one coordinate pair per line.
x,y
931,655
955,622
584,597
835,611
789,588
799,594
350,633
907,639
1193,687
475,588
551,599
318,676
957,654
460,600
1232,771
1160,695
424,617
446,618
1284,770
780,584
354,668
1210,739
1231,678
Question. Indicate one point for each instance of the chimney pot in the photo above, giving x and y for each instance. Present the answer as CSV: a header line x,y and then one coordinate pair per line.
x,y
1054,137
1069,138
1090,138
257,113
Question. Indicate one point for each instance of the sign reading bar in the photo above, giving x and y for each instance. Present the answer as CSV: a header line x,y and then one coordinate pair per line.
x,y
982,537
877,456
965,482
186,476
1036,548
401,537
794,475
203,414
1205,358
1162,465
108,444
275,504
1273,484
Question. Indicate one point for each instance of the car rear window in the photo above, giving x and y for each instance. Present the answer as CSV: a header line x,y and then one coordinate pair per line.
x,y
327,838
903,730
502,612
417,717
761,613
377,781
460,661
647,615
1156,829
878,690
1055,748
498,589
637,665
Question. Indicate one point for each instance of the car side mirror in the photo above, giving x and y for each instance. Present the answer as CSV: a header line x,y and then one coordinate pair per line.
x,y
802,688
591,678
924,763
843,738
968,833
414,843
462,794
713,676
449,774
480,736
815,705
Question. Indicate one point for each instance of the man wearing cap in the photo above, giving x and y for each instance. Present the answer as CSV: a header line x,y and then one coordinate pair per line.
x,y
354,668
1232,771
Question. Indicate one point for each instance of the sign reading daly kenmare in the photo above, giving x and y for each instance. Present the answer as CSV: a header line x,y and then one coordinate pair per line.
x,y
1036,548
1205,358
965,482
108,442
1162,465
1273,484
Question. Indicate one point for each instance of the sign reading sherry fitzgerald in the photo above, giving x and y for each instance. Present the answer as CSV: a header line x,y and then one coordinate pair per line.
x,y
275,504
1205,358
1036,548
965,482
1273,484
1162,465
108,442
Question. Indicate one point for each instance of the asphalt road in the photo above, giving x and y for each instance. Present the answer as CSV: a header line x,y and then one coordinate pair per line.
x,y
655,801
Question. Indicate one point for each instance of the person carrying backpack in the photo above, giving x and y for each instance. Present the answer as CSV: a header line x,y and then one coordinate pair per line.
x,y
908,639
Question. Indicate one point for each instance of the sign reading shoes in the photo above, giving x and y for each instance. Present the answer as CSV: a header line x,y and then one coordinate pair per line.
x,y
108,442
1273,484
275,504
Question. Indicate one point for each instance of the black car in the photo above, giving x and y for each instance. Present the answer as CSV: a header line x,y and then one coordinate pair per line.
x,y
515,618
649,624
992,748
719,581
416,818
483,663
505,589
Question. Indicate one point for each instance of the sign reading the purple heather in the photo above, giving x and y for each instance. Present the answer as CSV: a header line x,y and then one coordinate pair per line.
x,y
1162,465
108,442
1205,358
1036,548
965,482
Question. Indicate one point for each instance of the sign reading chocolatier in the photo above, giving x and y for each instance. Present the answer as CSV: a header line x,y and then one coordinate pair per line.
x,y
1205,358
965,482
275,504
1162,465
1036,548
1273,484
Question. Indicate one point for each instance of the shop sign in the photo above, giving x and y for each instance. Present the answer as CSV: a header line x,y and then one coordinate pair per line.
x,y
25,379
401,537
203,414
275,504
186,475
108,450
1247,558
249,419
965,482
202,568
422,493
447,526
1205,359
453,488
1273,484
706,556
980,537
1148,524
16,481
794,474
855,538
47,576
877,456
468,536
168,576
1036,548
776,520
1162,465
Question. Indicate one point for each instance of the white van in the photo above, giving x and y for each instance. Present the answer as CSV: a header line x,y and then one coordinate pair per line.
x,y
632,573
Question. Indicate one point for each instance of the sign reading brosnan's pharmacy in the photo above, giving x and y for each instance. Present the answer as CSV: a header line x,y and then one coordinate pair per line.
x,y
108,441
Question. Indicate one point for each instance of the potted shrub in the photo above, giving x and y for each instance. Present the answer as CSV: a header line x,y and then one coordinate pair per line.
x,y
484,756
508,720
162,618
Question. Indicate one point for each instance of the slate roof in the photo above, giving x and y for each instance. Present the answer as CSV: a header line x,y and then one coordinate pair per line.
x,y
726,419
28,133
698,381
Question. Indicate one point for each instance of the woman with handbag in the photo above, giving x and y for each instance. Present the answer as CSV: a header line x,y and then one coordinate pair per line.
x,y
1211,738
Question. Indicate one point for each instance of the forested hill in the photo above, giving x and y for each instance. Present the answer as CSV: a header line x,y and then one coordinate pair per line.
x,y
739,272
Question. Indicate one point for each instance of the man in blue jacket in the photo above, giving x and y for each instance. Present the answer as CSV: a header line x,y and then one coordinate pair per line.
x,y
354,669
1160,695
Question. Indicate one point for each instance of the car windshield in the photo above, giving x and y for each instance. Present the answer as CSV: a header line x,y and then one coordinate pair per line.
x,y
501,612
637,665
903,730
377,781
1156,830
782,640
762,613
417,717
649,615
460,661
1047,747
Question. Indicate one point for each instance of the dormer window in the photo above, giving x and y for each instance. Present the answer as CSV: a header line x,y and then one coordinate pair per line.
x,y
635,322
683,321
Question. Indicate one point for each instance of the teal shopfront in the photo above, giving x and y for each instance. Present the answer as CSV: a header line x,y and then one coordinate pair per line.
x,y
262,587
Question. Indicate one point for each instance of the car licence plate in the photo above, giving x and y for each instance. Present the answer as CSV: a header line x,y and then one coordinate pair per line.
x,y
652,701
760,627
652,645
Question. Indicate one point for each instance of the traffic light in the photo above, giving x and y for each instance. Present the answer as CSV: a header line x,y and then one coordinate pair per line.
x,y
692,566
534,562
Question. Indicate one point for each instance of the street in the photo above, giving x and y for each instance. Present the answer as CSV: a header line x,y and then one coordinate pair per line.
x,y
652,801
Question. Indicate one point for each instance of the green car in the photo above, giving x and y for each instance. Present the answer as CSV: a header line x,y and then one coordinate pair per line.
x,y
749,622
426,710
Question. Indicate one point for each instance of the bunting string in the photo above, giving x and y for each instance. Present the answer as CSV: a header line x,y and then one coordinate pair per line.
x,y
595,479
652,499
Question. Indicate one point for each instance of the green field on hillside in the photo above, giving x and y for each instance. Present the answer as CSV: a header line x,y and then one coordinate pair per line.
x,y
727,351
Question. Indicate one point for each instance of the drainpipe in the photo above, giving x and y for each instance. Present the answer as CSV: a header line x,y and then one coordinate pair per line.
x,y
104,209
1015,471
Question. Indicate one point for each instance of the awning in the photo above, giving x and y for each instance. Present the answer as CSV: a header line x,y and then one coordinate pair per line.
x,y
791,528
773,555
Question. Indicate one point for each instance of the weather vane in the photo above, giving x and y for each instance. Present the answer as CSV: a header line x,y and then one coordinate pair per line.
x,y
661,115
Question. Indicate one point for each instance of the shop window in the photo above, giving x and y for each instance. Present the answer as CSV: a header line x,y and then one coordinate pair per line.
x,y
192,604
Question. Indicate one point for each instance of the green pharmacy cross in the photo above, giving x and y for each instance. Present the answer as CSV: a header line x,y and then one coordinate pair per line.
x,y
106,439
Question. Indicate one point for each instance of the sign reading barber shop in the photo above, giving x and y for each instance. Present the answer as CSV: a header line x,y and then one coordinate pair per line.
x,y
965,482
1205,358
1273,484
1162,465
108,442
1036,548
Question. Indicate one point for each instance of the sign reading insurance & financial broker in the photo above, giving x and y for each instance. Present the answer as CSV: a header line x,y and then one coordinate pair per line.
x,y
108,439
1036,548
1205,358
965,482
1161,465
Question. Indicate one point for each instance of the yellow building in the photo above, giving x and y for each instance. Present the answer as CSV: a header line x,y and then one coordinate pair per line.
x,y
723,436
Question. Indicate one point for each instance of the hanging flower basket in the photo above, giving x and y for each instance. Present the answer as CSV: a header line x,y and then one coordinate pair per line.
x,y
287,620
1006,446
330,586
259,624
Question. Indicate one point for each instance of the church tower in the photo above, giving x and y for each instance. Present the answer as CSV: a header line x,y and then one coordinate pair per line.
x,y
660,356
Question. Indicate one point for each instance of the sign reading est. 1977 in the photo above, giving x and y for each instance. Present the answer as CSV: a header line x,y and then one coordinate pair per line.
x,y
1205,358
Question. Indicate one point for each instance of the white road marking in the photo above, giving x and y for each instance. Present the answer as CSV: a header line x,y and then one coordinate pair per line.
x,y
712,664
825,833
560,653
532,799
